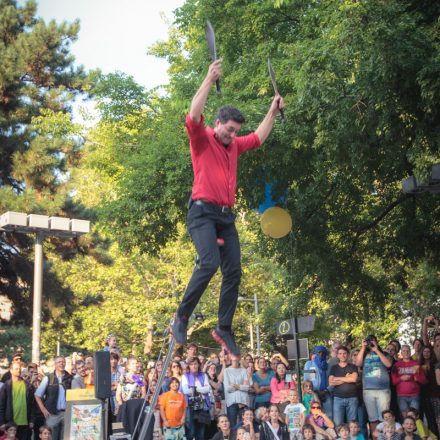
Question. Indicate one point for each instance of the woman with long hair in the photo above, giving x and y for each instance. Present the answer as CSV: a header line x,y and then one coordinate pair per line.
x,y
273,429
196,388
417,348
280,386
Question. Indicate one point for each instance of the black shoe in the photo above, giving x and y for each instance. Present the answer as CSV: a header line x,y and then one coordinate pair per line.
x,y
226,340
178,329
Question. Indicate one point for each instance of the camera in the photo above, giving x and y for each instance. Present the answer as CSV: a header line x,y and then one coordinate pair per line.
x,y
369,339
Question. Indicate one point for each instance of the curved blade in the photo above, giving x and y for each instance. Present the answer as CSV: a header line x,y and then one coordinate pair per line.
x,y
275,87
272,76
210,37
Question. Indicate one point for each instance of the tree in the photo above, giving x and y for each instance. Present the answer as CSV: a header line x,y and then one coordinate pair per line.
x,y
38,142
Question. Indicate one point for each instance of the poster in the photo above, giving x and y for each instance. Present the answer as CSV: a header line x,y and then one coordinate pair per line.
x,y
85,421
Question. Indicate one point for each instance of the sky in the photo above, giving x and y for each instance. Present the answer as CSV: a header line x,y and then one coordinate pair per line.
x,y
114,35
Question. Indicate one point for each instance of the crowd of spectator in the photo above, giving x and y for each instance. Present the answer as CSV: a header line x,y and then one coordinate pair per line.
x,y
346,393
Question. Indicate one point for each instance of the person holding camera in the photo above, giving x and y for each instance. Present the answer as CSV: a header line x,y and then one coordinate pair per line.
x,y
375,379
196,388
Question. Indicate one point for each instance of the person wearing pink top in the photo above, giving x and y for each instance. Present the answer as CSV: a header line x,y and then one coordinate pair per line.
x,y
407,376
280,387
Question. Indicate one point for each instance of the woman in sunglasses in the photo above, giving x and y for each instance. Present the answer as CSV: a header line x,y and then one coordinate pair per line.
x,y
323,425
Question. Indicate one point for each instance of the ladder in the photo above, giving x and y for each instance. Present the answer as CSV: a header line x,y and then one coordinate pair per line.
x,y
149,410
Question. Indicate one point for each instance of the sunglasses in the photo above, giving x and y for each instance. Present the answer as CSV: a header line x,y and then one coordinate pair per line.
x,y
315,407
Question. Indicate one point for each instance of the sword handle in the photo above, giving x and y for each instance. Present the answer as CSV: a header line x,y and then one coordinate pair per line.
x,y
283,118
217,86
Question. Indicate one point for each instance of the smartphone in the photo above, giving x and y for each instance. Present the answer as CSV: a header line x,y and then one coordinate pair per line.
x,y
288,376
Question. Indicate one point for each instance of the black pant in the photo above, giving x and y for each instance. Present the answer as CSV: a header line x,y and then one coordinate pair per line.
x,y
206,223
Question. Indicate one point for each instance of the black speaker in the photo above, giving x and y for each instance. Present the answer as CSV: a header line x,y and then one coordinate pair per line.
x,y
103,375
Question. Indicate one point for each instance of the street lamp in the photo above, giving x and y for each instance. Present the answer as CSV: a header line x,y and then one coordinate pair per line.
x,y
257,327
41,226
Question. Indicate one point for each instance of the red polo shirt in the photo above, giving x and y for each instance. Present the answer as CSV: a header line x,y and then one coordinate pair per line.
x,y
214,165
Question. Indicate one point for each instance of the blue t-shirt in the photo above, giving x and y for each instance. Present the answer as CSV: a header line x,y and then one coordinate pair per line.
x,y
375,375
265,397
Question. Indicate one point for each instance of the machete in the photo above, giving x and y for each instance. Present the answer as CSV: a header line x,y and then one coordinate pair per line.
x,y
275,88
210,38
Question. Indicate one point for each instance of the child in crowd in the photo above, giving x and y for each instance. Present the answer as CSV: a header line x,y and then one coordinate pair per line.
x,y
308,432
388,417
409,429
389,432
45,433
172,406
308,395
355,430
10,432
242,434
343,432
295,415
422,430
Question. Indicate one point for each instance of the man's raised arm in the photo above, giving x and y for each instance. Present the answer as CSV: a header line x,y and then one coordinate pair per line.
x,y
266,125
199,100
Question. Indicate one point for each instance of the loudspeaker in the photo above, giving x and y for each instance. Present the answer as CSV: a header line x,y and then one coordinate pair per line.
x,y
103,376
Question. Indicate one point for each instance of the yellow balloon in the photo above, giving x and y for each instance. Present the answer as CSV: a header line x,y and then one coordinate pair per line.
x,y
276,222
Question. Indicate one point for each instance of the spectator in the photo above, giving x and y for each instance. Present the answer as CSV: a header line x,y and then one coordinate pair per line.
x,y
295,415
195,386
116,373
51,397
173,410
389,432
355,430
247,422
435,401
279,387
422,430
273,428
175,371
261,414
276,358
417,348
398,347
16,401
10,430
81,373
236,383
131,385
248,360
216,408
261,383
343,378
225,432
409,429
321,422
16,357
317,373
343,431
308,432
388,417
308,395
375,379
37,415
407,376
111,344
45,433
191,352
242,434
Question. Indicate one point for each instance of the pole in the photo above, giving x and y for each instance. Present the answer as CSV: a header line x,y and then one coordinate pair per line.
x,y
257,327
38,294
298,378
251,335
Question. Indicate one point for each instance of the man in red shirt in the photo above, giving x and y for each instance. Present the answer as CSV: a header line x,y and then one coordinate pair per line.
x,y
210,220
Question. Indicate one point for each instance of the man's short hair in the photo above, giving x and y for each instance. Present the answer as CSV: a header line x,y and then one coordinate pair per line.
x,y
79,362
343,347
191,345
229,113
114,355
388,411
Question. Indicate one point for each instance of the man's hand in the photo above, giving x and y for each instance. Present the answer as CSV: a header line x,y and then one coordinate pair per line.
x,y
214,71
277,104
46,413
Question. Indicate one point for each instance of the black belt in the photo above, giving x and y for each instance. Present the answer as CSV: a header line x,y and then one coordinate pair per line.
x,y
221,208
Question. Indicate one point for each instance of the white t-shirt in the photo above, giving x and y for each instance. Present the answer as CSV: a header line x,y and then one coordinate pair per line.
x,y
293,412
380,426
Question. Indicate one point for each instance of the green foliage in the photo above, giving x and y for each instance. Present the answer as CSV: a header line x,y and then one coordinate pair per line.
x,y
15,338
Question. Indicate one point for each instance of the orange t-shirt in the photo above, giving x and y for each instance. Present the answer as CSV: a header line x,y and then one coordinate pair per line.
x,y
174,405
